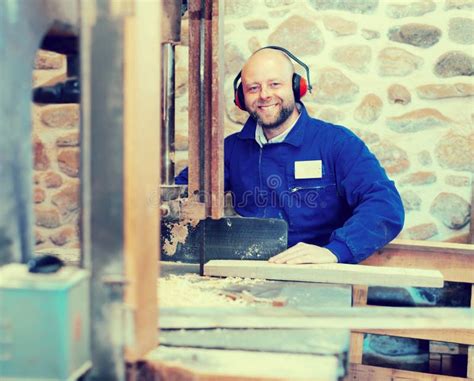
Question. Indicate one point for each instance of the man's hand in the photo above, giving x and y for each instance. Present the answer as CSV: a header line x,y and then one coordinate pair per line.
x,y
304,253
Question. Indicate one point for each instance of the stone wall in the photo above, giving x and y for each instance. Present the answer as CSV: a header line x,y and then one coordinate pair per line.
x,y
56,160
398,73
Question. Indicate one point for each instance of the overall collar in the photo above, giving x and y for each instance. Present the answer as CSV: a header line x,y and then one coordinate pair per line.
x,y
295,136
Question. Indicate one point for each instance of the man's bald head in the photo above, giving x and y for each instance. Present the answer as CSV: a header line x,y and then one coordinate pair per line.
x,y
273,58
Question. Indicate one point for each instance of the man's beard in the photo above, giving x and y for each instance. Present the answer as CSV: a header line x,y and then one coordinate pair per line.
x,y
282,117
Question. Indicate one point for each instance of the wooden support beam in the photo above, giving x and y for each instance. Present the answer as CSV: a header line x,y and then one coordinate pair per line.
x,y
206,105
470,350
471,225
358,372
102,181
205,159
359,298
142,145
461,336
452,259
194,89
216,138
359,295
470,362
430,247
326,273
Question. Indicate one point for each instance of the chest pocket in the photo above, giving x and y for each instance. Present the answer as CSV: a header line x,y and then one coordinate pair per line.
x,y
313,192
312,203
296,185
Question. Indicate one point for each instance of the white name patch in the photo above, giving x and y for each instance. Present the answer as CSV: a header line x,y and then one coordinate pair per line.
x,y
309,169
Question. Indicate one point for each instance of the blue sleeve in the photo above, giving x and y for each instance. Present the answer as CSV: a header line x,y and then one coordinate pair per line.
x,y
229,144
182,178
377,209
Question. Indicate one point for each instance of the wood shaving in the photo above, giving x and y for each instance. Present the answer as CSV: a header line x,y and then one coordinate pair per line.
x,y
192,290
179,233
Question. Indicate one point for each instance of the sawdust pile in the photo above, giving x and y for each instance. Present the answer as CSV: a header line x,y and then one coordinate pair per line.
x,y
179,233
192,290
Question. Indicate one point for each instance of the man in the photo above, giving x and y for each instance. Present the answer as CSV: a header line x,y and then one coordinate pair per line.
x,y
321,178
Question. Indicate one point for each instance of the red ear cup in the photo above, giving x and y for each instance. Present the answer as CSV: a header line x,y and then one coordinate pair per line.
x,y
303,87
300,86
239,99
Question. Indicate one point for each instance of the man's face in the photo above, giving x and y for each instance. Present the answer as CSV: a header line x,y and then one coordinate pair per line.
x,y
268,92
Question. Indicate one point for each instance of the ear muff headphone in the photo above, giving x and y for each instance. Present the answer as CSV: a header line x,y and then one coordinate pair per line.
x,y
299,84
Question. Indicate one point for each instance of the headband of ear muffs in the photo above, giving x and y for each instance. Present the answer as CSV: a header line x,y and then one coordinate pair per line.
x,y
299,84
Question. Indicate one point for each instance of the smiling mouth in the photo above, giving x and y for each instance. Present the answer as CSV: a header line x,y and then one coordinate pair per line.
x,y
267,107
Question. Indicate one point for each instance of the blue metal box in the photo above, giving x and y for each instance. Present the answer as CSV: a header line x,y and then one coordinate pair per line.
x,y
44,324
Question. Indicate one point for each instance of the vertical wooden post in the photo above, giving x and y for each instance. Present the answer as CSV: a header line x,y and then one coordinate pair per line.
x,y
206,105
216,146
471,226
359,298
142,50
194,107
102,181
206,94
470,349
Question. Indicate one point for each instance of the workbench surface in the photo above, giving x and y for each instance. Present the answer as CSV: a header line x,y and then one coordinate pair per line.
x,y
266,353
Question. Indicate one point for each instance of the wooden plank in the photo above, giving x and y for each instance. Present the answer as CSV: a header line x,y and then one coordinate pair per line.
x,y
359,298
142,145
461,336
358,372
207,364
356,318
470,362
304,341
451,264
326,273
158,370
430,247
